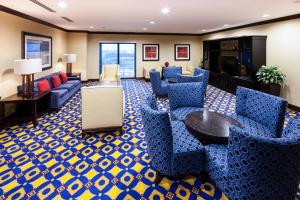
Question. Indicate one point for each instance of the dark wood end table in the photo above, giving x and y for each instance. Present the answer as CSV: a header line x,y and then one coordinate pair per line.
x,y
172,80
74,76
210,127
18,99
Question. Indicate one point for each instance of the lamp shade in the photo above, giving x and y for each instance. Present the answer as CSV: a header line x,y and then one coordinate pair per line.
x,y
70,58
27,66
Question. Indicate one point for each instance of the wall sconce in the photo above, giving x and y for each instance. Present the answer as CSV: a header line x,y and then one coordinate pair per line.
x,y
59,64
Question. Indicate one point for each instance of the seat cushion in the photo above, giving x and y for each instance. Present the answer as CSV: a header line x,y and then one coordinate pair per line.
x,y
252,126
67,86
60,93
216,164
181,113
73,82
189,153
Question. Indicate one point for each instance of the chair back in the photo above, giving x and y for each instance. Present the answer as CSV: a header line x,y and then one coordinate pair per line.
x,y
155,81
111,70
205,75
262,167
186,95
188,79
263,108
158,135
171,72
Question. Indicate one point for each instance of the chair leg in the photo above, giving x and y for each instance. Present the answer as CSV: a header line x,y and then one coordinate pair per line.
x,y
204,176
158,177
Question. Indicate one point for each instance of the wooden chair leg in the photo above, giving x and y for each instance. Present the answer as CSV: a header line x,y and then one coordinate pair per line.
x,y
158,177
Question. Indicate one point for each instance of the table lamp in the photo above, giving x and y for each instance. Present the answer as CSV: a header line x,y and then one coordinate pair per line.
x,y
69,59
27,68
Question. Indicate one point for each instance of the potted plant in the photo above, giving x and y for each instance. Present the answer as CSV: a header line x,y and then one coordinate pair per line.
x,y
271,79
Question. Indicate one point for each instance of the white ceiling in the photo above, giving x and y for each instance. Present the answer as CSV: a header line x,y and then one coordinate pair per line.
x,y
186,16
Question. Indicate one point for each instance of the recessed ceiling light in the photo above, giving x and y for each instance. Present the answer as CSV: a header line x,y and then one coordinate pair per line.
x,y
226,25
145,28
266,15
62,4
91,27
165,10
152,22
203,30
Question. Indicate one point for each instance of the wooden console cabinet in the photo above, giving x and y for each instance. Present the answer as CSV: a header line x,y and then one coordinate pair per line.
x,y
234,61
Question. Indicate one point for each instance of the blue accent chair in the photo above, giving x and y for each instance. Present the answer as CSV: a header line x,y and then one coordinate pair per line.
x,y
60,95
185,98
205,75
255,167
188,79
259,112
172,149
171,72
159,87
292,129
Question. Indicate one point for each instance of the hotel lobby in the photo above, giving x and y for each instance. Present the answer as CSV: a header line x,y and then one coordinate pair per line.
x,y
159,99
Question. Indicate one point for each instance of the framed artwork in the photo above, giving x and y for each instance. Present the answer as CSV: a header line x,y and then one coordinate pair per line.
x,y
37,46
182,52
150,52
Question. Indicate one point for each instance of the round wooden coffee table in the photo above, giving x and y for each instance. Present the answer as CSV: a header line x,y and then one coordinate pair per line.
x,y
210,127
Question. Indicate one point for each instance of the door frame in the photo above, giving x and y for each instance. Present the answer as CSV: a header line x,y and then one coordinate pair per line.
x,y
118,55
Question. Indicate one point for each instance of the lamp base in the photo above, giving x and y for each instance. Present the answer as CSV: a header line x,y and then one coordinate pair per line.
x,y
69,68
27,85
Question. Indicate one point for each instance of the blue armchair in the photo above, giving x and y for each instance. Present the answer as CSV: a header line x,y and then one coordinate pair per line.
x,y
159,87
260,112
185,98
172,149
292,129
188,79
171,72
255,167
205,75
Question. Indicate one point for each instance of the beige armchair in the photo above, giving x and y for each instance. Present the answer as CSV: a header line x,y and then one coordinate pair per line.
x,y
147,70
187,70
102,108
110,73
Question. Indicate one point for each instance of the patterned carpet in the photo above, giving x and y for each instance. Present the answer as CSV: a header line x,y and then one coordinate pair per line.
x,y
52,162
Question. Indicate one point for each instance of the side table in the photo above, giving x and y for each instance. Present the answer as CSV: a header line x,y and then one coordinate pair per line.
x,y
74,76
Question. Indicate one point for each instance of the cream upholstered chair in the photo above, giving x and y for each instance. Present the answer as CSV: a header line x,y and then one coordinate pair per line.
x,y
102,108
147,70
187,70
110,73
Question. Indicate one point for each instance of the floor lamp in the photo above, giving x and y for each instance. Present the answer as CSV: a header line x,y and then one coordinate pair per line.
x,y
69,59
27,68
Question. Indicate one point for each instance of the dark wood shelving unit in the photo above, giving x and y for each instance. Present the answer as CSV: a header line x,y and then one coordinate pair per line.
x,y
234,61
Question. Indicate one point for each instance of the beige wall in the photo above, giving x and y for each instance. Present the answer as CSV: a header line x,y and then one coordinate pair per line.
x,y
11,28
77,43
283,49
166,44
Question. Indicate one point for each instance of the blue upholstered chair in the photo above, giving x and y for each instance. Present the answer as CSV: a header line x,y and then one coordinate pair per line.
x,y
292,129
159,87
172,149
188,79
260,112
205,75
171,72
185,98
255,167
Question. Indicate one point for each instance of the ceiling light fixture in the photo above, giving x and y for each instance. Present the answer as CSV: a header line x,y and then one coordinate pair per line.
x,y
145,29
203,30
165,10
152,22
62,4
266,15
226,25
91,27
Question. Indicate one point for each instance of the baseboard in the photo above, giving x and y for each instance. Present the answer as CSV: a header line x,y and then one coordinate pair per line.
x,y
293,107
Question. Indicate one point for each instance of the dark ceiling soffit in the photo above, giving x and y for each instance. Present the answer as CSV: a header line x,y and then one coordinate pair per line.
x,y
17,13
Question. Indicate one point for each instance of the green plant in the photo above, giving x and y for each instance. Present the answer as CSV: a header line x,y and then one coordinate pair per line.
x,y
270,75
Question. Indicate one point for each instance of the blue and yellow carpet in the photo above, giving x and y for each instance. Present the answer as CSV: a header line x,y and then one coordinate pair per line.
x,y
51,161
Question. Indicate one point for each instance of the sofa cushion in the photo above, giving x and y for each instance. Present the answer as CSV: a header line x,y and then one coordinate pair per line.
x,y
75,82
63,77
181,113
60,93
44,85
67,86
56,82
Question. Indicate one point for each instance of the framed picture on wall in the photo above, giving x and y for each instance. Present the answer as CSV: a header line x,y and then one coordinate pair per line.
x,y
150,52
37,46
182,52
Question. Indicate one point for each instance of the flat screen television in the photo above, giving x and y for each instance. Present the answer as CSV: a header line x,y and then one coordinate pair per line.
x,y
229,64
